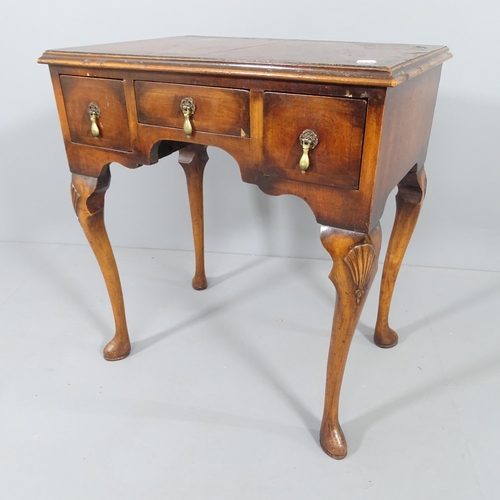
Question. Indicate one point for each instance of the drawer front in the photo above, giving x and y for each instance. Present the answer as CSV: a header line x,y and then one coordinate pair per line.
x,y
217,110
109,96
339,126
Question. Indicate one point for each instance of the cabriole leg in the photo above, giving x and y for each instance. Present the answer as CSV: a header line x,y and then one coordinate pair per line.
x,y
355,257
411,193
88,201
193,160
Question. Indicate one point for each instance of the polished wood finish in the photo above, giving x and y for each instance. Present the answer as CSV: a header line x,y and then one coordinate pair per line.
x,y
339,124
193,160
406,130
411,193
387,65
355,259
370,106
87,194
109,95
158,104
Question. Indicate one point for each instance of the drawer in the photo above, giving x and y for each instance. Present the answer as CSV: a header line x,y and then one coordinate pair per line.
x,y
109,95
217,110
339,126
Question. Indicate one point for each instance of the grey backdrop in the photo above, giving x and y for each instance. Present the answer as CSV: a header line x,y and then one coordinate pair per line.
x,y
460,223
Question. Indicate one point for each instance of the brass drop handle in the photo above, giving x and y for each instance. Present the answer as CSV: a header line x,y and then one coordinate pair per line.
x,y
94,113
188,108
308,140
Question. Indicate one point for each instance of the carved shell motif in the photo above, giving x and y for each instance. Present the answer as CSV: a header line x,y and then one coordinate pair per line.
x,y
359,260
75,196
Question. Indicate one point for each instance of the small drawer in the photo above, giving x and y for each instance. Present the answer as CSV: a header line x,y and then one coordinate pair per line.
x,y
339,126
217,110
112,123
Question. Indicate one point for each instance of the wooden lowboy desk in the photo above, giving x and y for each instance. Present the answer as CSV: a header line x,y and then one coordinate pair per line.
x,y
337,124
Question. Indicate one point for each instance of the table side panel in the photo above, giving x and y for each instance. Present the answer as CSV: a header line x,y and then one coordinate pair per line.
x,y
408,116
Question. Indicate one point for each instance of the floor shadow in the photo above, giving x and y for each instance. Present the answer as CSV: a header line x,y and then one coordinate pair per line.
x,y
80,296
243,349
44,264
216,280
264,367
356,428
459,305
165,410
140,345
